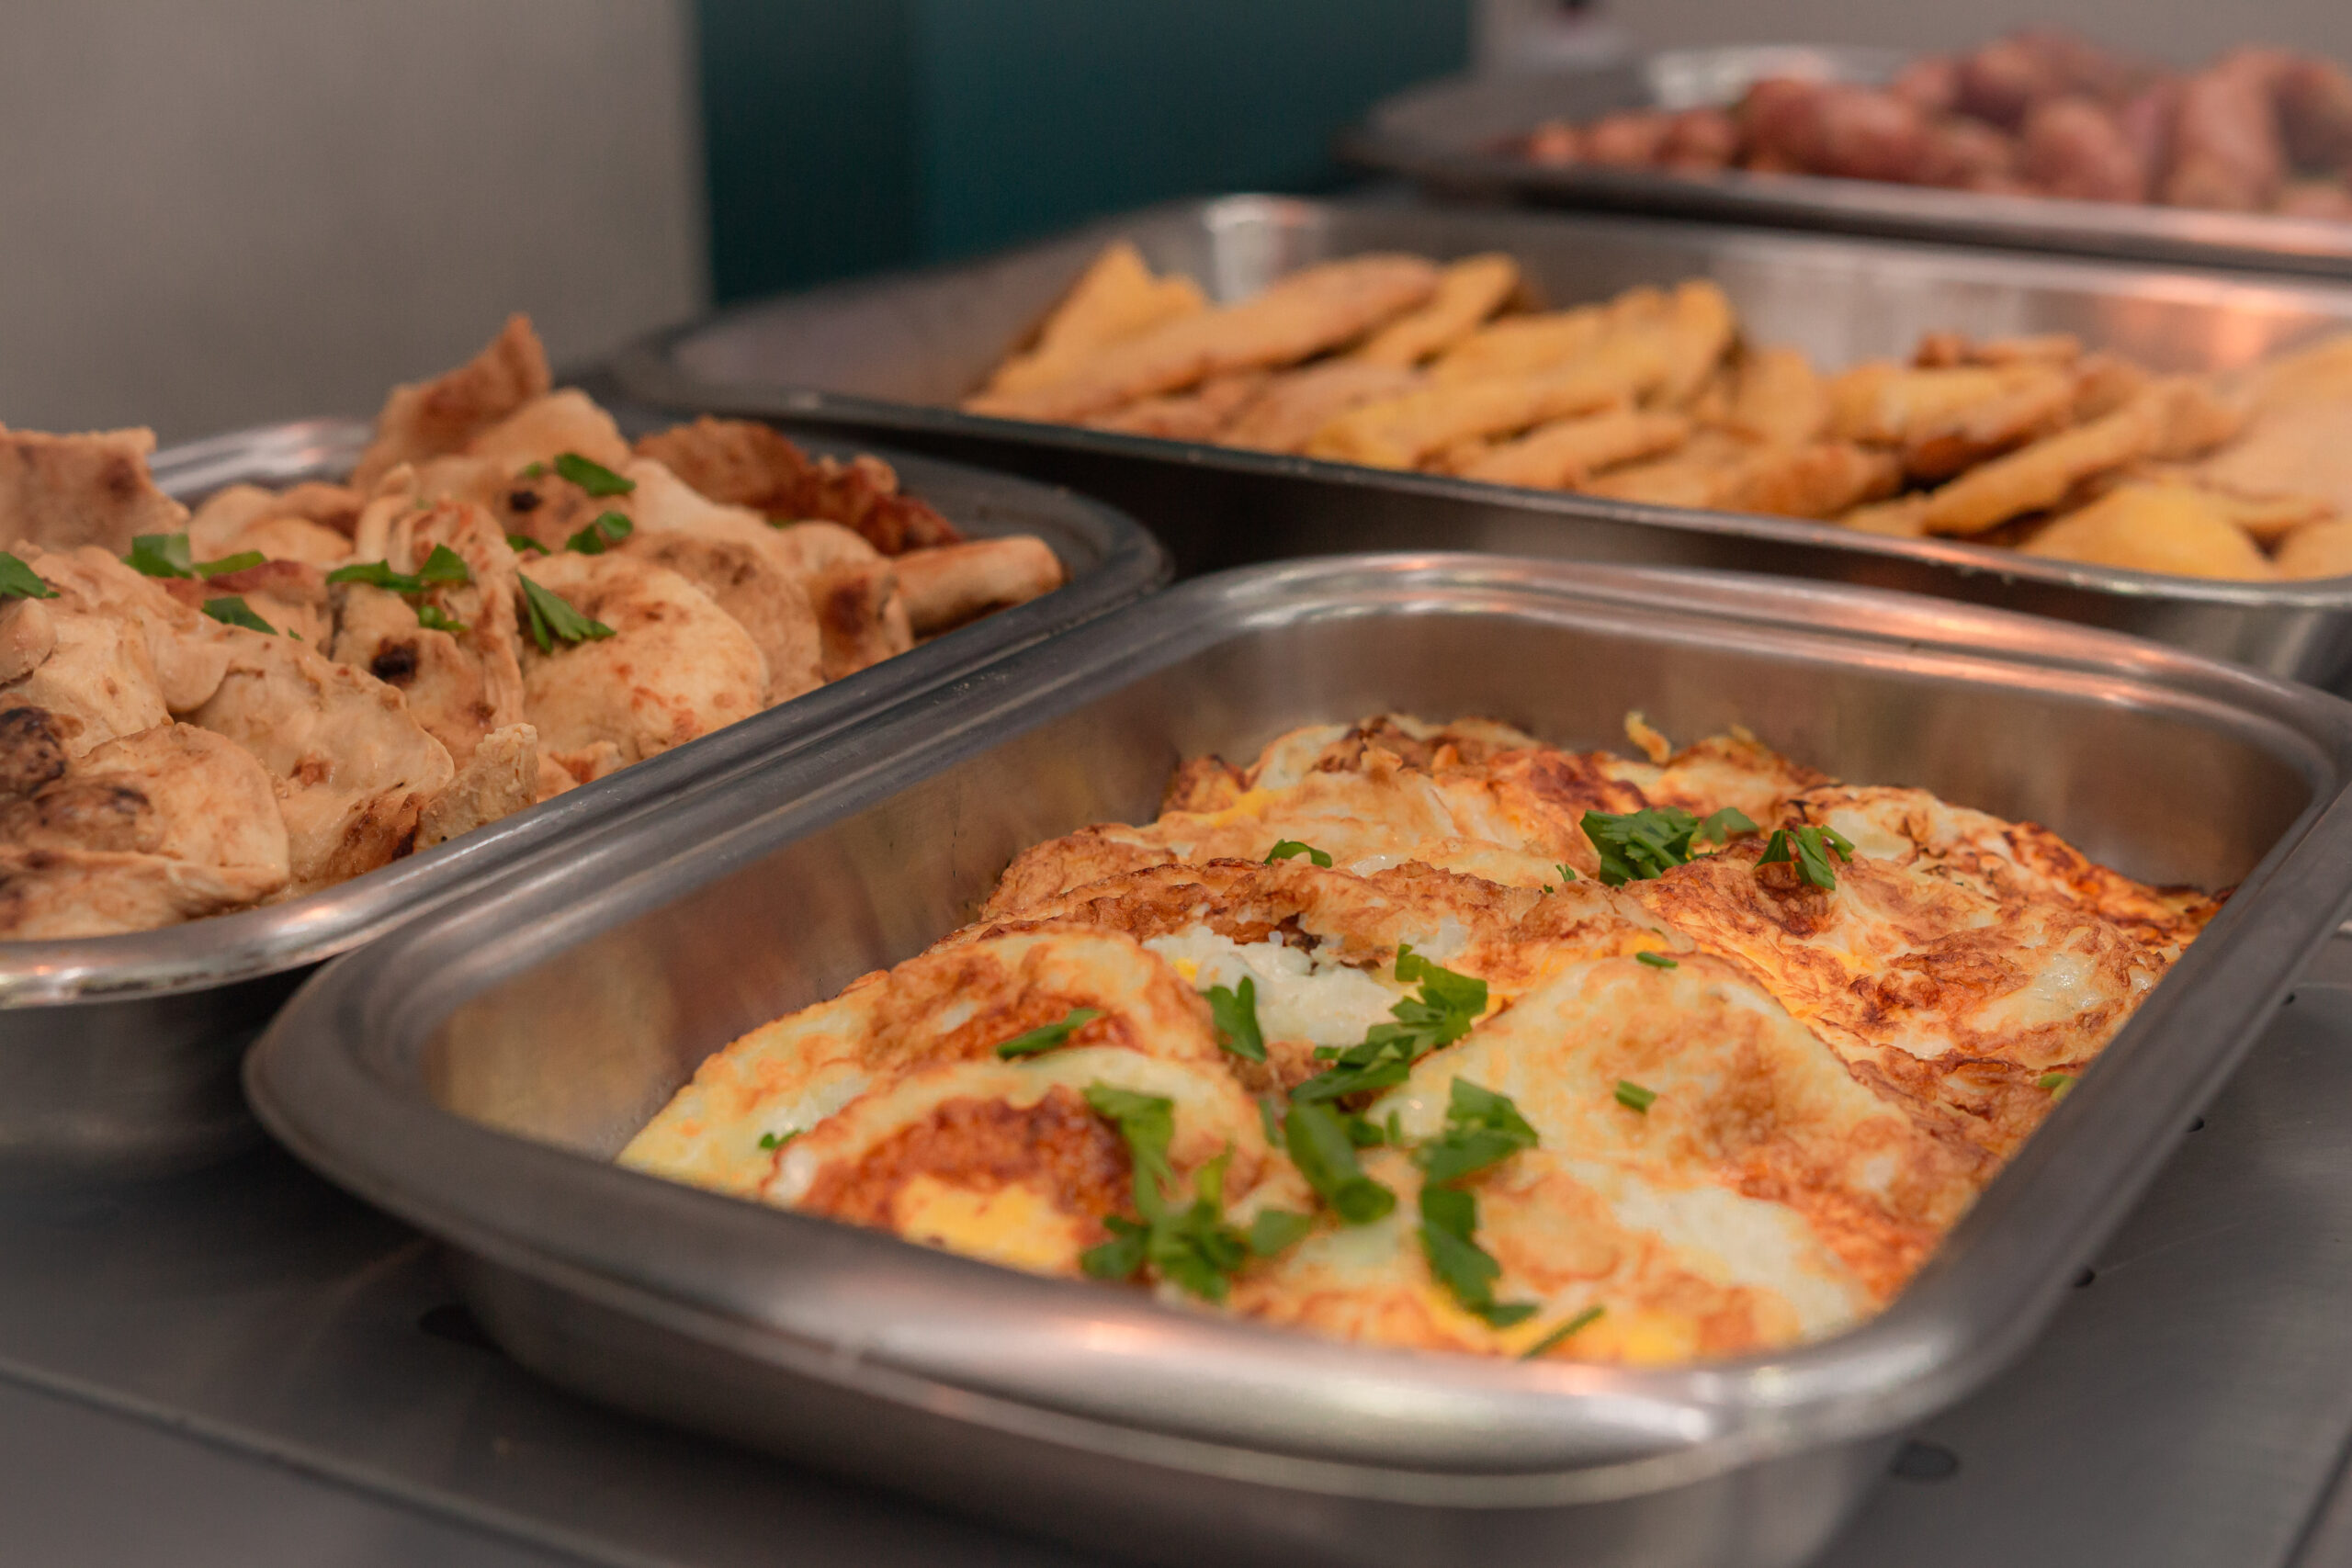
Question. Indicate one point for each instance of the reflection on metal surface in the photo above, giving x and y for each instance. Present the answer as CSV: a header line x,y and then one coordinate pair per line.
x,y
823,1341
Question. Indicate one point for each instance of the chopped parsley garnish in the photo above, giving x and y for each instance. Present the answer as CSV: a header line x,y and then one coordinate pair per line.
x,y
161,555
1449,1221
1812,846
777,1140
233,610
1722,827
443,566
609,529
551,618
1482,1128
1050,1036
1634,1097
1235,1014
1191,1246
1639,845
433,617
518,543
1271,1121
18,581
1553,1340
241,561
1567,873
533,471
1444,1011
1318,1140
594,478
1276,1230
1291,848
1656,960
2057,1083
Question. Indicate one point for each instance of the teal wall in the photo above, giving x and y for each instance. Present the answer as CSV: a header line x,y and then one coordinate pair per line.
x,y
847,135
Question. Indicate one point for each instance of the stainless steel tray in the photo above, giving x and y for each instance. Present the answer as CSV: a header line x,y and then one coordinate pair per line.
x,y
475,1074
880,357
118,1054
1443,137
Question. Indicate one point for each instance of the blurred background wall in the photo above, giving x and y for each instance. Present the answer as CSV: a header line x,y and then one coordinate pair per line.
x,y
218,211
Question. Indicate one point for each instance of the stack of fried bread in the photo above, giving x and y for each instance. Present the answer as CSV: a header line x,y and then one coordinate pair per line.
x,y
1443,1037
2032,442
507,600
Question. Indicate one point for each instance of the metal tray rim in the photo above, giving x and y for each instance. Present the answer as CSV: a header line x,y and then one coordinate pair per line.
x,y
1918,1340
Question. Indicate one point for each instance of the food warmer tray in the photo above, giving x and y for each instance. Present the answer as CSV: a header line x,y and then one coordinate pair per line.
x,y
118,1054
887,358
1444,138
475,1076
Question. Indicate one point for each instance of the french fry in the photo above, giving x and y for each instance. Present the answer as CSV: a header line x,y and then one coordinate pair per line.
x,y
1470,291
1701,473
1776,395
1199,414
1567,452
1522,345
2153,528
2317,550
1399,432
1310,310
1297,403
1904,517
1819,480
1115,298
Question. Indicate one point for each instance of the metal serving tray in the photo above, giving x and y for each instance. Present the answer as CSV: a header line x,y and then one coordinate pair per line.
x,y
476,1074
1444,137
880,357
118,1054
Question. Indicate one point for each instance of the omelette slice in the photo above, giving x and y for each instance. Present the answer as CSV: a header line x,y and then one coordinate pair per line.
x,y
891,1106
1707,1173
1962,963
1474,796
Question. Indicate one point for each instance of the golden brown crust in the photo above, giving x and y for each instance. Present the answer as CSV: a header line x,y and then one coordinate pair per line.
x,y
426,418
741,462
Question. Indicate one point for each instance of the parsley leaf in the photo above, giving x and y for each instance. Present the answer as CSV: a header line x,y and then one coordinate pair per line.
x,y
1639,845
1482,1129
161,555
1443,1013
594,478
1812,846
1634,1097
1724,826
1567,873
1235,1014
18,581
552,619
1276,1230
227,564
777,1140
1190,1245
1291,848
518,543
1050,1036
433,617
2057,1083
1449,1220
1656,960
1319,1145
233,610
533,471
443,566
1552,1341
609,529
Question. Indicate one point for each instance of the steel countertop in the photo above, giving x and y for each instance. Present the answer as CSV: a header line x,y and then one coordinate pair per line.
x,y
247,1368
